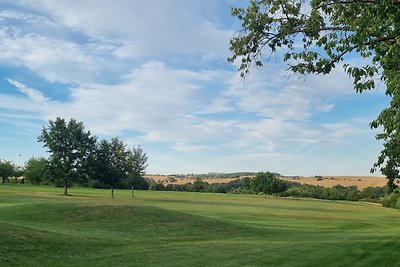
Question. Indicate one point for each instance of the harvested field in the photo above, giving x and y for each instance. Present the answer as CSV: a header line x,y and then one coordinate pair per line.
x,y
327,181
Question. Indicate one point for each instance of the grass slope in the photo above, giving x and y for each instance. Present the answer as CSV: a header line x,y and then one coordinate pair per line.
x,y
39,227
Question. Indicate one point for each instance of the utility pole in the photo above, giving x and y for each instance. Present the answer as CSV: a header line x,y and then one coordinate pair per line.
x,y
19,160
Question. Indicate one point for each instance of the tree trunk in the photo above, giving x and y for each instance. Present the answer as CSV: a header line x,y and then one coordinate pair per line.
x,y
112,192
133,192
65,188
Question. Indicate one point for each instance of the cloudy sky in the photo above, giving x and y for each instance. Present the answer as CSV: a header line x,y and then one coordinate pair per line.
x,y
154,73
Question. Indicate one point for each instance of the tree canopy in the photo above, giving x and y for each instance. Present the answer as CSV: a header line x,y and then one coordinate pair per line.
x,y
7,170
110,164
36,170
137,167
77,156
70,148
318,35
267,183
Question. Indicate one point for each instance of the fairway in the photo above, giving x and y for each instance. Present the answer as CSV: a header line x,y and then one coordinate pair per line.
x,y
40,227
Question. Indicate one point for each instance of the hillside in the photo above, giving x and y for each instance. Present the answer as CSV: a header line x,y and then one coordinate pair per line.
x,y
40,227
327,181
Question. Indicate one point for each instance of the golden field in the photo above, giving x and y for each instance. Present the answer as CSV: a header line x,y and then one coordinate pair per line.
x,y
327,181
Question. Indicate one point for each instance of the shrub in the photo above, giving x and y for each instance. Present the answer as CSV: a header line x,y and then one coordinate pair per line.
x,y
392,200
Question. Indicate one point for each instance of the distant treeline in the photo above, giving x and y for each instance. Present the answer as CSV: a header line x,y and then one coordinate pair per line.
x,y
269,183
214,175
255,183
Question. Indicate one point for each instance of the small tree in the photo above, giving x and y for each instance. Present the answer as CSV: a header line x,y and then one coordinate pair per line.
x,y
266,183
137,168
7,170
111,163
36,170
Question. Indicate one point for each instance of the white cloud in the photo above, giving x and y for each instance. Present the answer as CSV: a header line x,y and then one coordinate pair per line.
x,y
162,104
35,95
149,27
55,60
155,73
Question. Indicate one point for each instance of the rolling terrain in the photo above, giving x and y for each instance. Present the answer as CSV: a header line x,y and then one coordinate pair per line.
x,y
40,227
327,181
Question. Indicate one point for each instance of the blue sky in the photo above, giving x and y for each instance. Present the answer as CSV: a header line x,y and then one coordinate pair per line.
x,y
154,73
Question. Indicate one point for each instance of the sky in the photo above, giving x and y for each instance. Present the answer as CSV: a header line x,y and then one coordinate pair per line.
x,y
154,73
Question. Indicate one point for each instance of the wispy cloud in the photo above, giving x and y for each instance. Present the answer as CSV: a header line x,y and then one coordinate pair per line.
x,y
35,95
155,73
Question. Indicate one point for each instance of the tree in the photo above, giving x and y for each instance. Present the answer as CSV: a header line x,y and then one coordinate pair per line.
x,y
317,35
71,149
137,168
198,186
36,170
267,183
111,163
6,170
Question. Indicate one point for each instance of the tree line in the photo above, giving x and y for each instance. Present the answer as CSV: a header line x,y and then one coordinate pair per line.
x,y
78,157
37,171
268,183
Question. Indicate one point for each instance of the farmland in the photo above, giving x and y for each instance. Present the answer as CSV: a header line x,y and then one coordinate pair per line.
x,y
40,227
327,181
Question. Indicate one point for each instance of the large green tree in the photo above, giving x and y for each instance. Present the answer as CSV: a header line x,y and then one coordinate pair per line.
x,y
315,36
71,149
7,170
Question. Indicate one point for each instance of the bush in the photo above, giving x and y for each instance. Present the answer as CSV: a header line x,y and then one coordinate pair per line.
x,y
392,200
373,193
157,186
338,192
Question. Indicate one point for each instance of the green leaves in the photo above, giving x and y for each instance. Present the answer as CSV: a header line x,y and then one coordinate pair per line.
x,y
36,170
325,32
7,170
70,148
110,163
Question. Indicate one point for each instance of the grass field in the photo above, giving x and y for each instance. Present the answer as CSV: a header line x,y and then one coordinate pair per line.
x,y
40,227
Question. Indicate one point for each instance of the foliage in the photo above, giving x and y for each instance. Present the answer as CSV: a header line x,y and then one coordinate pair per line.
x,y
268,183
157,186
374,194
392,200
110,163
137,161
338,192
6,170
317,35
70,148
138,182
36,170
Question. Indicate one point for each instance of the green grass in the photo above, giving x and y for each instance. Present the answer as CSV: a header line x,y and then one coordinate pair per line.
x,y
40,227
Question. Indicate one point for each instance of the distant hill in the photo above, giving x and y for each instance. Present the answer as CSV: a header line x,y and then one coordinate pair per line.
x,y
210,175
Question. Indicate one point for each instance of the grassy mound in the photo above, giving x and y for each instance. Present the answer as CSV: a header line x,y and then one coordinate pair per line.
x,y
41,228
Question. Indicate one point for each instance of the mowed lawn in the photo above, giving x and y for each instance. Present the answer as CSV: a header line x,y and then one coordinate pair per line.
x,y
40,227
